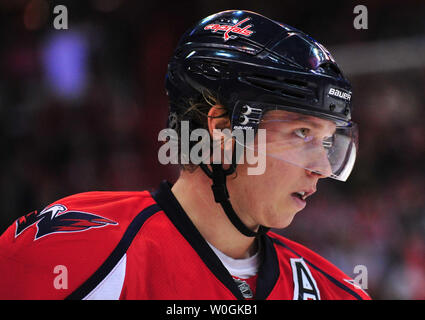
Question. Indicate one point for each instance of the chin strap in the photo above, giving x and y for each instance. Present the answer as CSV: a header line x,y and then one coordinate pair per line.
x,y
221,195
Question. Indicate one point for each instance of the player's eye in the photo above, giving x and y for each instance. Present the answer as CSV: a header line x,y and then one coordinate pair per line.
x,y
302,132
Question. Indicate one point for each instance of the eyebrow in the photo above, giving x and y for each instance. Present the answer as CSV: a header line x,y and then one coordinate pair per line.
x,y
301,118
309,120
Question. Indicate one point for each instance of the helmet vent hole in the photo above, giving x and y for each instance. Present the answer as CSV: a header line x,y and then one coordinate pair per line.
x,y
296,82
287,87
330,69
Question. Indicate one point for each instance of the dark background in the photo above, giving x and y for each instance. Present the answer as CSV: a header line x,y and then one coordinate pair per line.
x,y
80,110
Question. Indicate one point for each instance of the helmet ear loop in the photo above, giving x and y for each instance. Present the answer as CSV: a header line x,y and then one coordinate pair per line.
x,y
226,172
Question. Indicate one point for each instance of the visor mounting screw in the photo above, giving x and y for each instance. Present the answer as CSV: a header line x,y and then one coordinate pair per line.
x,y
346,111
332,107
243,120
245,109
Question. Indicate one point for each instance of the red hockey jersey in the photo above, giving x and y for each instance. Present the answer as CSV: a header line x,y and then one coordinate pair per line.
x,y
142,245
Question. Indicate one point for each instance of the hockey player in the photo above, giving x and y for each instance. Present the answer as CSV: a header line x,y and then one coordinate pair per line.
x,y
207,236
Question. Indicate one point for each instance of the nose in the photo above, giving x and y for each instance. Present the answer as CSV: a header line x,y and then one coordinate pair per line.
x,y
319,165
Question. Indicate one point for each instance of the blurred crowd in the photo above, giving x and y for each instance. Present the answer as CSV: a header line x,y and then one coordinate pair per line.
x,y
377,218
80,110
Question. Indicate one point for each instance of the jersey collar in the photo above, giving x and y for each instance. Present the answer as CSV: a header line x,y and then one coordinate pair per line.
x,y
269,269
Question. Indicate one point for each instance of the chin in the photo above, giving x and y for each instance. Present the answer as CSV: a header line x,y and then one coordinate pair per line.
x,y
285,225
281,222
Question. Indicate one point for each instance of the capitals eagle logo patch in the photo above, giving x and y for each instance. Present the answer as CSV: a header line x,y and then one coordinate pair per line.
x,y
57,219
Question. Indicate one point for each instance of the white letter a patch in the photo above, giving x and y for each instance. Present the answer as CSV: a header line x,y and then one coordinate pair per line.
x,y
305,287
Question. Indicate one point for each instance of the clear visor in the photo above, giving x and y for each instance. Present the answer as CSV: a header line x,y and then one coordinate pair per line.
x,y
315,144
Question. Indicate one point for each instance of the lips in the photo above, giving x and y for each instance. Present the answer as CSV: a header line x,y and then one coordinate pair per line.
x,y
299,197
303,194
299,202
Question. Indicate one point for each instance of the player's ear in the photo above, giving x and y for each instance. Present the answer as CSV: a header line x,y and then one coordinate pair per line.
x,y
219,128
218,118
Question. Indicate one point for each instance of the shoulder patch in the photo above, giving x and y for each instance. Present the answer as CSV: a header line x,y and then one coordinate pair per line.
x,y
57,219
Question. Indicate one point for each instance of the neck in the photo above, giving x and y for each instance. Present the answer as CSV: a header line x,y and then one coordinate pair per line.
x,y
193,191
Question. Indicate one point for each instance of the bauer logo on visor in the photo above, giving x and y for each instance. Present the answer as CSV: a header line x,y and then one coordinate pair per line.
x,y
227,29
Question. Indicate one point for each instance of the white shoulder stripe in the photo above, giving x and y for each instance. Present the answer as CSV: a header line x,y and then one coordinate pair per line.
x,y
110,287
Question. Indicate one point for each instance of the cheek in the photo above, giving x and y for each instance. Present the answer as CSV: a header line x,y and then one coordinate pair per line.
x,y
281,179
271,186
267,196
281,171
